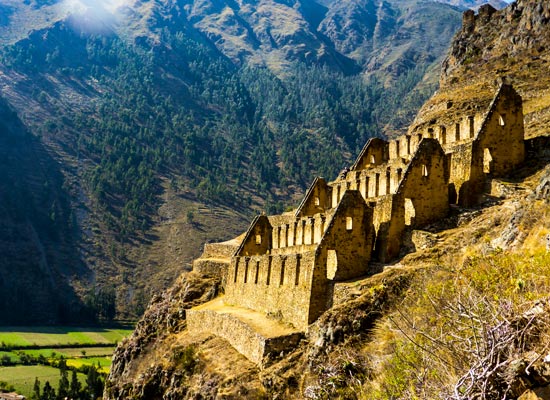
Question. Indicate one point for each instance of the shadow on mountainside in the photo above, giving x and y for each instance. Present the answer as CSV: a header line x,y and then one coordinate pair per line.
x,y
38,232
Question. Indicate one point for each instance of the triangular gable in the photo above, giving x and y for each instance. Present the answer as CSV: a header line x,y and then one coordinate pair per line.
x,y
308,207
375,145
427,148
349,236
491,109
257,239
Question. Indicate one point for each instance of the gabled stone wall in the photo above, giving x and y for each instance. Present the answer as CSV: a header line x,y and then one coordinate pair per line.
x,y
286,266
317,199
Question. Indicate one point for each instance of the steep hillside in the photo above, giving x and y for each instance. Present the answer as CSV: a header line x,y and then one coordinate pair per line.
x,y
38,236
167,116
462,314
475,4
412,331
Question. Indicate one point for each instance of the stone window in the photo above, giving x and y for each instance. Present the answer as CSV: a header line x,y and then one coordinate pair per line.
x,y
372,159
268,279
397,148
442,135
236,271
410,212
256,276
457,132
258,239
317,201
431,133
487,161
501,119
246,271
297,277
408,145
332,263
282,278
349,223
424,170
472,127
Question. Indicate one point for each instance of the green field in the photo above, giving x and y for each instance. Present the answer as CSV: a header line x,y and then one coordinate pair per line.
x,y
22,377
15,336
79,346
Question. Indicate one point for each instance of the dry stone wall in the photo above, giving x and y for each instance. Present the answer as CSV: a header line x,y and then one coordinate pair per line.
x,y
286,267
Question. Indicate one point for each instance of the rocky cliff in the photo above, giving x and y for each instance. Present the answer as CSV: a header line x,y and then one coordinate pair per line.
x,y
511,44
462,314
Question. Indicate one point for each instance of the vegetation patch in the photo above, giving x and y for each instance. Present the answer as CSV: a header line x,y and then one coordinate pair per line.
x,y
481,319
21,337
22,377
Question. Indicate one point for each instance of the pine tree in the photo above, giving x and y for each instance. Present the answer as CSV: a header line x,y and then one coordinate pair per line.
x,y
75,387
48,393
63,390
94,383
36,390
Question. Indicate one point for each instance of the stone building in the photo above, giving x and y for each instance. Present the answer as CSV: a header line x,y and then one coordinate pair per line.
x,y
486,143
279,276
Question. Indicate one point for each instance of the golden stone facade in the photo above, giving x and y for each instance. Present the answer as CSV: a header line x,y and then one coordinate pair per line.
x,y
286,265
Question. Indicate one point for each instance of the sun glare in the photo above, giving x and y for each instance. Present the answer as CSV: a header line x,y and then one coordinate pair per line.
x,y
80,6
95,16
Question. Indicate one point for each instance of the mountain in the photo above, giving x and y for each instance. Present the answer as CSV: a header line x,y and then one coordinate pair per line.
x,y
463,315
165,116
37,237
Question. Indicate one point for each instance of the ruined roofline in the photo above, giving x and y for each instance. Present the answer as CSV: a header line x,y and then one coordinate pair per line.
x,y
424,145
341,205
482,115
365,149
249,233
308,194
492,106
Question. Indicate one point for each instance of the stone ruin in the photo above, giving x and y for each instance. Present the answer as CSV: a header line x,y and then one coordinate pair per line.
x,y
279,276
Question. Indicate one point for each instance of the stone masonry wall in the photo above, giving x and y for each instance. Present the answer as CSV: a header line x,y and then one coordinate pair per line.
x,y
347,245
316,200
500,143
243,337
425,188
276,285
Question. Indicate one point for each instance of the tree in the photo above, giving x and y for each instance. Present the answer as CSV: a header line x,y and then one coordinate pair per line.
x,y
94,383
63,390
48,393
36,390
75,387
